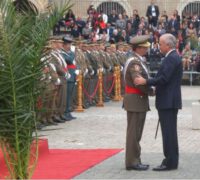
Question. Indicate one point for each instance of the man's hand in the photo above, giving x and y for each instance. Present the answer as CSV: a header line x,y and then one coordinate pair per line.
x,y
152,91
140,81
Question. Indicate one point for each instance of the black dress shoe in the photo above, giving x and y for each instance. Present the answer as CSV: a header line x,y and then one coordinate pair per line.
x,y
163,167
45,124
57,120
70,116
40,126
62,117
138,167
67,118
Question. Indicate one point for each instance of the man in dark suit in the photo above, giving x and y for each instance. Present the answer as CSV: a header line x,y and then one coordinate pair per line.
x,y
136,102
153,14
168,99
173,26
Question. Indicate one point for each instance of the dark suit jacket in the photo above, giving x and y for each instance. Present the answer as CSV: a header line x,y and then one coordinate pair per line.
x,y
148,13
168,83
174,26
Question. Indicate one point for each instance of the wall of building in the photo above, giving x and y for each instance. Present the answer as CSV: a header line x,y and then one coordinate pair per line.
x,y
80,6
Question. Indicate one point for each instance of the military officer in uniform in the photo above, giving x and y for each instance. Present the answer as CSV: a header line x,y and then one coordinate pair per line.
x,y
69,57
61,68
135,102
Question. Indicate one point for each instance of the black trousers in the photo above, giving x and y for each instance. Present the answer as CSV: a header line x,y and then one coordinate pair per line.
x,y
153,21
70,92
168,121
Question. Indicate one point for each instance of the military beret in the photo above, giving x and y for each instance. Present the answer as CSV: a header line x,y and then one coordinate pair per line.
x,y
140,41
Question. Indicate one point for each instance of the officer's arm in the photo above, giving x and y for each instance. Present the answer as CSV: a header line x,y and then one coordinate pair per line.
x,y
136,71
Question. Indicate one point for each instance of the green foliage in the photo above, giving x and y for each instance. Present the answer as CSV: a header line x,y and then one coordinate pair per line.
x,y
22,38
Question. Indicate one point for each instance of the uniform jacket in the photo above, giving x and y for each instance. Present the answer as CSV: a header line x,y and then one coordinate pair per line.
x,y
168,82
70,60
136,102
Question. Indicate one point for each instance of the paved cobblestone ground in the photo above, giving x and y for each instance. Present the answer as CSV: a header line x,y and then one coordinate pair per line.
x,y
106,128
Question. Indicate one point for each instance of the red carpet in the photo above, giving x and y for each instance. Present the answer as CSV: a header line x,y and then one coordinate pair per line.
x,y
63,163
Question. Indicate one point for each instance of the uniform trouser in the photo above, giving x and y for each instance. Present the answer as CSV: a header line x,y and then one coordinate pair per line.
x,y
61,98
168,122
86,83
49,98
70,89
93,83
135,125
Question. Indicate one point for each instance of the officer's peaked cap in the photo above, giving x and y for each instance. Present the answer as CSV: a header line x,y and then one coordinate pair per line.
x,y
142,41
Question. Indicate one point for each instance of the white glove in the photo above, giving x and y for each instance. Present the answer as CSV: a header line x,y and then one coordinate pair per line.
x,y
86,70
73,48
43,59
50,77
77,72
74,62
58,82
67,76
121,68
101,69
92,73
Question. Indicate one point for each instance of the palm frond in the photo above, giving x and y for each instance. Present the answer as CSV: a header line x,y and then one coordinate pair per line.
x,y
22,38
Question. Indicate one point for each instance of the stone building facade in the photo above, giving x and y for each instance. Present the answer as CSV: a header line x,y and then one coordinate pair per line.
x,y
80,6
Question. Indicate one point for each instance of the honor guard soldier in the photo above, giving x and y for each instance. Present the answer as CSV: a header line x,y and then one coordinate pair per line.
x,y
61,68
49,80
69,57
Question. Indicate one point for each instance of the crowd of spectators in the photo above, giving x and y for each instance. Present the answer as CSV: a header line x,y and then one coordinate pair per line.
x,y
120,27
